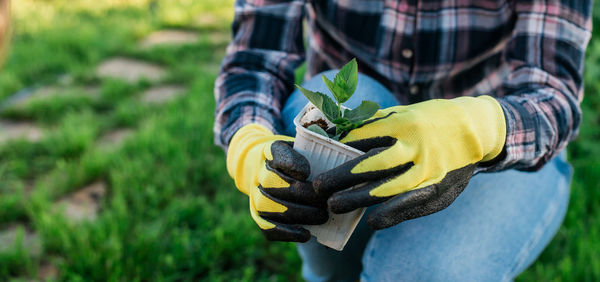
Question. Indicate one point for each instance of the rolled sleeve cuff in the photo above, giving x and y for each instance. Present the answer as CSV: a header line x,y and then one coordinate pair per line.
x,y
518,142
244,115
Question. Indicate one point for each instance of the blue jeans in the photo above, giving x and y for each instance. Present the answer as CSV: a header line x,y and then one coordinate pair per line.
x,y
492,232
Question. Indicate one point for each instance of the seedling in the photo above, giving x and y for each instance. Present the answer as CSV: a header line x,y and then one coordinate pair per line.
x,y
342,88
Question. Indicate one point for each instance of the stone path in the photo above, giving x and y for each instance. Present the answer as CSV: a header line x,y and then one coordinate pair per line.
x,y
29,186
162,94
47,271
169,37
43,92
30,240
11,130
130,70
217,37
114,138
50,92
208,20
83,204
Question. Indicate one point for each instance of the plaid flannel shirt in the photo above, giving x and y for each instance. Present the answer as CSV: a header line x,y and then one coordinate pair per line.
x,y
527,54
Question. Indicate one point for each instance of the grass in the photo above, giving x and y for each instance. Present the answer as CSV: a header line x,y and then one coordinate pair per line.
x,y
172,212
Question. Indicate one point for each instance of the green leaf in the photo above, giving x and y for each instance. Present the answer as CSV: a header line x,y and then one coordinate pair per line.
x,y
361,113
347,78
340,131
322,102
338,92
317,129
340,120
343,125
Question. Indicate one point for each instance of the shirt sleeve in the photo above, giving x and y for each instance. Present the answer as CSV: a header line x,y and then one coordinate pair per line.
x,y
543,92
257,73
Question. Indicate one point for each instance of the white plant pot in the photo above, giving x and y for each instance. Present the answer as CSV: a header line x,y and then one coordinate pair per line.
x,y
324,154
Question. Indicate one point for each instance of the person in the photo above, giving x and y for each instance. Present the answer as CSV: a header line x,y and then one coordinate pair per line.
x,y
464,176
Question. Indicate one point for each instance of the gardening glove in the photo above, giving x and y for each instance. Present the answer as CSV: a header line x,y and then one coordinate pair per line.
x,y
266,168
419,158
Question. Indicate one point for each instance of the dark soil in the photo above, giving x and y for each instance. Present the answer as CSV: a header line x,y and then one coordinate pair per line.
x,y
320,122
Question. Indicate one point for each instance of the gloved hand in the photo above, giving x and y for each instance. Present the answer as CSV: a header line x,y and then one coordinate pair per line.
x,y
266,168
419,158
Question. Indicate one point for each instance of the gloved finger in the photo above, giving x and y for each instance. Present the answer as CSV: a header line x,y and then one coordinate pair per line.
x,y
297,191
370,143
281,156
269,177
355,197
388,158
421,202
409,180
403,207
370,128
293,213
374,192
277,231
287,233
341,177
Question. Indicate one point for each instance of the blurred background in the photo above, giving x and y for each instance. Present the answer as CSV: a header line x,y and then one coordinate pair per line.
x,y
108,169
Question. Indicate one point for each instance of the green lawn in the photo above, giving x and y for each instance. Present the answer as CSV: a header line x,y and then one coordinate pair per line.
x,y
170,211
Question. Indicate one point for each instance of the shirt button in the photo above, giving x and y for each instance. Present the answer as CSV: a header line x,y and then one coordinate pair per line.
x,y
407,53
414,90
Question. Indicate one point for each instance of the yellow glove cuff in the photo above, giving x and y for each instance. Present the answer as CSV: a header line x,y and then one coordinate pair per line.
x,y
488,122
246,154
244,146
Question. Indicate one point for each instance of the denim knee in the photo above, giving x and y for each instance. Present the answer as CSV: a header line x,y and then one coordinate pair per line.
x,y
382,262
493,231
